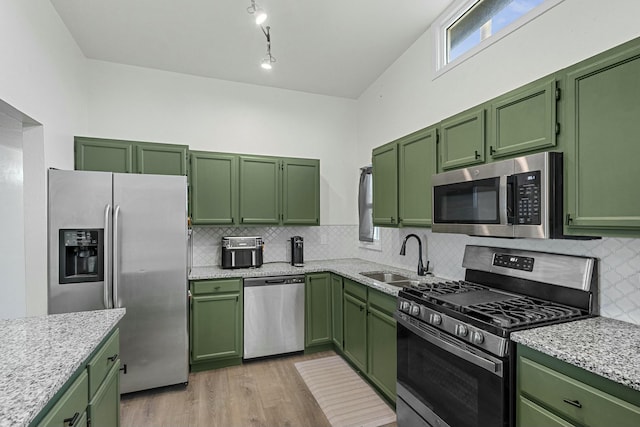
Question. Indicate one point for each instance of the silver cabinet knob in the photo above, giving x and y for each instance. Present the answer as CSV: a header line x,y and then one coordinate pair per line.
x,y
435,319
477,337
461,330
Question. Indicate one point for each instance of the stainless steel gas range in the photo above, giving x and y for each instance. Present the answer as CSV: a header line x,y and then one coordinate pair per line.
x,y
455,358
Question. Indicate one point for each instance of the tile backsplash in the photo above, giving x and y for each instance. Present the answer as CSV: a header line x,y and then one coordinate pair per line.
x,y
619,265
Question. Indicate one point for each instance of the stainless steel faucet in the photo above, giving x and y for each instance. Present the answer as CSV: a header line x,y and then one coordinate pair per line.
x,y
421,270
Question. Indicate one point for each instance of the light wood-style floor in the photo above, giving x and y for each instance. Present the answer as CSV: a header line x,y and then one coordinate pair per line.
x,y
267,393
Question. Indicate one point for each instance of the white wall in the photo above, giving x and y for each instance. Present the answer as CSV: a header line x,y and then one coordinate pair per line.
x,y
135,103
407,98
13,303
42,76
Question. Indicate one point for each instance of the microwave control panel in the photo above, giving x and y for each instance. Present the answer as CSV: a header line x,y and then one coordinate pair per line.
x,y
528,193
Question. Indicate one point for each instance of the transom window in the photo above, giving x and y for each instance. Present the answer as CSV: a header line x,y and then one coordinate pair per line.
x,y
469,26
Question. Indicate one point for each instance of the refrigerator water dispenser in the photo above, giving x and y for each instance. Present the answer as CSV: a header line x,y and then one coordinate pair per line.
x,y
81,255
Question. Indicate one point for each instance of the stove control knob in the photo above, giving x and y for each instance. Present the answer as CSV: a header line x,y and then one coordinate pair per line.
x,y
461,330
404,306
415,310
477,337
435,319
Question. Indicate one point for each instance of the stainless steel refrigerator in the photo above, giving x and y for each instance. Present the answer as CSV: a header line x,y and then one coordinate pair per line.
x,y
120,240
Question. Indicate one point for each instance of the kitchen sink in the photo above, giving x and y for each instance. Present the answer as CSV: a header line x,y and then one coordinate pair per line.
x,y
386,277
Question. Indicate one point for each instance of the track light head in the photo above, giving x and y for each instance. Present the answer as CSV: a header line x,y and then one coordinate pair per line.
x,y
258,13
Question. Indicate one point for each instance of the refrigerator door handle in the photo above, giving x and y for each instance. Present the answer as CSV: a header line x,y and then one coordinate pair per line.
x,y
107,259
116,249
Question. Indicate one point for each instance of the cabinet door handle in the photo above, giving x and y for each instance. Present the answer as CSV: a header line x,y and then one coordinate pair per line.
x,y
71,421
491,150
477,155
361,308
575,403
569,219
113,358
391,220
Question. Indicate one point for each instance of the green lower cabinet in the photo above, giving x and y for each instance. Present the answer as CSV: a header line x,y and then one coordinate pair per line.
x,y
355,331
71,406
317,294
550,389
531,415
216,323
104,408
337,289
381,343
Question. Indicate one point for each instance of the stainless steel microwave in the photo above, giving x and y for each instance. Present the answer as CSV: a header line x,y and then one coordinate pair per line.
x,y
519,197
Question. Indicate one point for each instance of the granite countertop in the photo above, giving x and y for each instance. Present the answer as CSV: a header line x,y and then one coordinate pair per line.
x,y
349,268
607,347
40,354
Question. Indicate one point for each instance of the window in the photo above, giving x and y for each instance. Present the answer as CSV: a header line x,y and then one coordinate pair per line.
x,y
369,236
471,25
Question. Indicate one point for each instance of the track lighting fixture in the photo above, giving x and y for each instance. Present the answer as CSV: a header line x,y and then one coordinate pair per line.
x,y
259,14
268,60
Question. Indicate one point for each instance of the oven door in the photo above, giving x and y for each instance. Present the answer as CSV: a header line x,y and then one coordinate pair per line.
x,y
442,381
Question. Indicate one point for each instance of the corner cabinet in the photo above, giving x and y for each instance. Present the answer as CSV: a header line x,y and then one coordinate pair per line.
x,y
317,294
216,323
385,185
370,335
462,139
214,188
602,115
551,392
524,120
96,154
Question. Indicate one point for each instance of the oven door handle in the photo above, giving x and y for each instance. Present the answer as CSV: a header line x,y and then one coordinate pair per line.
x,y
489,365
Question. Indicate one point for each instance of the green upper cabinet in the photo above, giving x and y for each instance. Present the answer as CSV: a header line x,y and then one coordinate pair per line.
x,y
385,185
462,139
603,124
300,192
336,309
417,162
96,154
214,188
318,309
93,154
524,120
259,190
161,159
279,190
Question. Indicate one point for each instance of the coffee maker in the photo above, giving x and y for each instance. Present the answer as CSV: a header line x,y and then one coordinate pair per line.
x,y
297,251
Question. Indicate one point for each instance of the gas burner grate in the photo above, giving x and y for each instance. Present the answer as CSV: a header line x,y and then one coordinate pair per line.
x,y
522,311
445,288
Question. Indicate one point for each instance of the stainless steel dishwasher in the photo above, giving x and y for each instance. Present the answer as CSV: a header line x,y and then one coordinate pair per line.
x,y
273,315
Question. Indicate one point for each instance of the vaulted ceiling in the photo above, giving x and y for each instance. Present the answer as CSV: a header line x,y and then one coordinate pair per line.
x,y
330,47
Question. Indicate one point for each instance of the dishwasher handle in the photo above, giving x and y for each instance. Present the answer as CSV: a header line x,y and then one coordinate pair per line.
x,y
274,281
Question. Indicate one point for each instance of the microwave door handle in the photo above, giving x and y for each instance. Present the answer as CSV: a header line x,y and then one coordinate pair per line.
x,y
511,199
